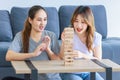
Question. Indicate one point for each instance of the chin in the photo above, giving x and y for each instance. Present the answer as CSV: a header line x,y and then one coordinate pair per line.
x,y
41,30
79,32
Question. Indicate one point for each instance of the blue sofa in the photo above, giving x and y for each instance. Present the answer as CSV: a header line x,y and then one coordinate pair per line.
x,y
13,22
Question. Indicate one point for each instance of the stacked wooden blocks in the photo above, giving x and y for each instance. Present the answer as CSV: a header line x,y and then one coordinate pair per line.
x,y
68,46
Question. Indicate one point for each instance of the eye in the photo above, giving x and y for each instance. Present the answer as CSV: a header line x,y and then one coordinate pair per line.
x,y
76,21
83,22
39,19
45,19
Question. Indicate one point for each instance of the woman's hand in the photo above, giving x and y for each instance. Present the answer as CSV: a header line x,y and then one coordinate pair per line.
x,y
77,54
47,41
63,36
39,49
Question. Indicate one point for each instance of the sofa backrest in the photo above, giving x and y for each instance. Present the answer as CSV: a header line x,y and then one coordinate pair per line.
x,y
65,14
5,26
19,15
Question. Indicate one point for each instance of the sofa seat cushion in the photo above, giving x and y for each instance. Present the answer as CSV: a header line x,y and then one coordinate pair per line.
x,y
3,49
114,43
107,51
19,14
65,14
5,26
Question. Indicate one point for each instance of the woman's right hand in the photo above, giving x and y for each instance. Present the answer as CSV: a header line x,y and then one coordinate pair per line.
x,y
63,36
39,49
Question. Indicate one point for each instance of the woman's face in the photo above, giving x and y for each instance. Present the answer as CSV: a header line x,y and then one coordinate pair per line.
x,y
39,22
79,25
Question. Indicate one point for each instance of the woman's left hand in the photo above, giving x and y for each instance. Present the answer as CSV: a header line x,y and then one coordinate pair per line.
x,y
47,41
77,54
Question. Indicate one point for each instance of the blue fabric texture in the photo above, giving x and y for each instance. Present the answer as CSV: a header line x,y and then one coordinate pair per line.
x,y
81,76
65,14
112,49
5,26
3,49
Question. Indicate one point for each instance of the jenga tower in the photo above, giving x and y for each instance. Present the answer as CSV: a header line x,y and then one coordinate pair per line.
x,y
68,46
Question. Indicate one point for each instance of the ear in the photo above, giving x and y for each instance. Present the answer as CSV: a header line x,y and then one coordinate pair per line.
x,y
30,20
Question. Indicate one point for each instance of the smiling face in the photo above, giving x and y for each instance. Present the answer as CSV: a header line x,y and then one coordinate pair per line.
x,y
39,21
80,25
83,23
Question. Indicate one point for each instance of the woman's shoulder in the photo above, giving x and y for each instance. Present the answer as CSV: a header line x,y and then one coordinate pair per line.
x,y
19,34
96,34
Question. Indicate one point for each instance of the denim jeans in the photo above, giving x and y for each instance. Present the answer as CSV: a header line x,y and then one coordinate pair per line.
x,y
80,76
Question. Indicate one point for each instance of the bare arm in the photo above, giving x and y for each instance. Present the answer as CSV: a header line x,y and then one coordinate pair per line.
x,y
52,55
97,53
61,54
12,55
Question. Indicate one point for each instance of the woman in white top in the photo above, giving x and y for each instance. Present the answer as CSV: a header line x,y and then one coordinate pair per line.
x,y
86,42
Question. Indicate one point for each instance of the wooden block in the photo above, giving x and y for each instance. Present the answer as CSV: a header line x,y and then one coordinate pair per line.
x,y
68,44
69,33
68,60
68,63
68,47
68,53
68,50
68,37
68,40
69,29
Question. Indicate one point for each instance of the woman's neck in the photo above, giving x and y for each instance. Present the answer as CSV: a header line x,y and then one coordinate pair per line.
x,y
36,36
82,37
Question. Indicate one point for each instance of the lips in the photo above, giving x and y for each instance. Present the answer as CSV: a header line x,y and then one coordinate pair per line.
x,y
78,29
41,27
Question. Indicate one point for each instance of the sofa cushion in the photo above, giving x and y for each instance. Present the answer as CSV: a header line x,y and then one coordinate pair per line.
x,y
5,26
107,51
114,43
3,49
19,14
65,14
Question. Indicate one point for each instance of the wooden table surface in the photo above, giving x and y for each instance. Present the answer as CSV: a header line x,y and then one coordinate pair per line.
x,y
54,66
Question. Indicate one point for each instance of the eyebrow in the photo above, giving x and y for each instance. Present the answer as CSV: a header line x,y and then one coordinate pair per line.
x,y
41,18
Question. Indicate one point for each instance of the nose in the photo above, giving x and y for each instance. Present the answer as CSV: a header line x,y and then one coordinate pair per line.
x,y
79,25
42,22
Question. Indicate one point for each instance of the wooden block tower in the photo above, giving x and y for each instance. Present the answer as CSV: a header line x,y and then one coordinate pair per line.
x,y
68,46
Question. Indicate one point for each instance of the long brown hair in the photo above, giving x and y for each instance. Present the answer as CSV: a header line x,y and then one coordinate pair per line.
x,y
27,27
88,17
